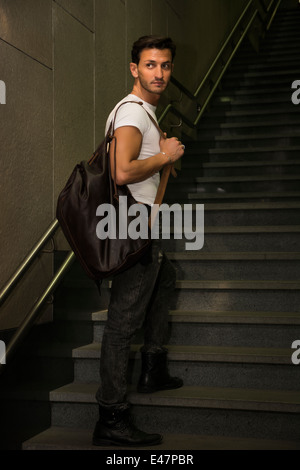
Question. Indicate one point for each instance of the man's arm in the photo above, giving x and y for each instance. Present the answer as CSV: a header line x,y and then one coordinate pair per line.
x,y
129,168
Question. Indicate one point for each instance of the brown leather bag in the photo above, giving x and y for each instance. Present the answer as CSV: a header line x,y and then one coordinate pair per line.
x,y
90,185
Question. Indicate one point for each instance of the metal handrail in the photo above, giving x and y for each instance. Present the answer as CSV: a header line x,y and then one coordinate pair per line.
x,y
33,315
225,68
273,14
223,48
26,263
193,96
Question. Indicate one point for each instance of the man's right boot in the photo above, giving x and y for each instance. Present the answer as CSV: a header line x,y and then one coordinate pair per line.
x,y
155,375
115,427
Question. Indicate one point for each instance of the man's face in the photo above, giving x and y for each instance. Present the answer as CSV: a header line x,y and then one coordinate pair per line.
x,y
154,70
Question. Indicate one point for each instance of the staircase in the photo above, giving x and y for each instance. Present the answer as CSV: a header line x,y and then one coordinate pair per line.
x,y
236,311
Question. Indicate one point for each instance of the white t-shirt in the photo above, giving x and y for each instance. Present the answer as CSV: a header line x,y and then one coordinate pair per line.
x,y
131,114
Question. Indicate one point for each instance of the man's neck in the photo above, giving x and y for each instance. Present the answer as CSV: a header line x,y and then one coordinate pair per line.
x,y
150,98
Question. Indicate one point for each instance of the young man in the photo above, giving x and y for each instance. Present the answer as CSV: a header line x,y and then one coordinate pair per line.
x,y
140,295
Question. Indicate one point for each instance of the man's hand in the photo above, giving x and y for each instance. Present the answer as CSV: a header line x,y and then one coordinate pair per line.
x,y
172,147
128,144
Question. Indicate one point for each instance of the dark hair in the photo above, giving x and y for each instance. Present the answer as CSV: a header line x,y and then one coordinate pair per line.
x,y
151,42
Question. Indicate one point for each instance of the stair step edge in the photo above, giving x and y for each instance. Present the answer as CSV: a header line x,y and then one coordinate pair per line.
x,y
64,438
251,163
237,205
253,229
238,285
233,255
192,397
244,195
204,354
233,74
249,149
237,179
235,317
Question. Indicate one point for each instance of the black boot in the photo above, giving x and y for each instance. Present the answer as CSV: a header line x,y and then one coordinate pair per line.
x,y
115,427
155,375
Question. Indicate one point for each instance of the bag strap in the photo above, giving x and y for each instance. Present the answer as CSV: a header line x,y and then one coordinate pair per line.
x,y
112,130
167,169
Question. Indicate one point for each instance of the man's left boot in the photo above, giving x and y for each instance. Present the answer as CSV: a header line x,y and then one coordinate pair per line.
x,y
155,375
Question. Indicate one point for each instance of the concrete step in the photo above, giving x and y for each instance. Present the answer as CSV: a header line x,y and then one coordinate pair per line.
x,y
234,265
259,329
247,129
252,140
283,74
194,397
242,154
283,103
284,36
248,90
194,148
274,47
259,140
265,170
252,80
260,102
215,316
181,187
248,168
206,366
249,183
272,43
284,29
230,155
246,57
281,42
285,26
209,295
251,213
286,19
64,438
237,295
286,14
225,328
279,196
246,213
243,238
252,238
219,116
258,64
282,93
245,168
197,410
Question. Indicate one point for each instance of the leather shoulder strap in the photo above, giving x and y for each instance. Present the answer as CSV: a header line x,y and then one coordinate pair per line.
x,y
112,127
166,171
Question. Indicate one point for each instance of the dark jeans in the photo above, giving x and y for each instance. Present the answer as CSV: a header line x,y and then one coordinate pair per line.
x,y
139,296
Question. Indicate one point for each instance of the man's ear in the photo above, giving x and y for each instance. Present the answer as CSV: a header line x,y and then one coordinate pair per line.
x,y
133,69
